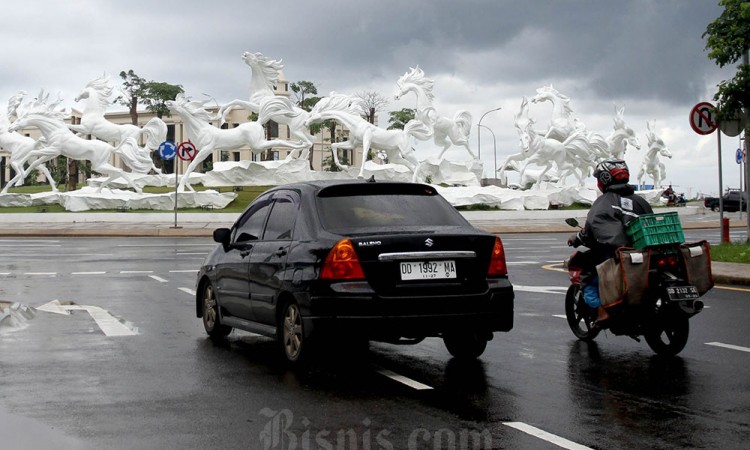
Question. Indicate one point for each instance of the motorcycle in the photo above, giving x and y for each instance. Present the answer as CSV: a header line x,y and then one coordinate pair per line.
x,y
661,314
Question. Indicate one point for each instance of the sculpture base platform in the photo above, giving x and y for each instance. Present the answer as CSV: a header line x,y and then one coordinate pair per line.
x,y
88,198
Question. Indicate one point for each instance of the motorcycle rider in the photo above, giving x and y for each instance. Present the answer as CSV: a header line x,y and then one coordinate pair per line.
x,y
604,231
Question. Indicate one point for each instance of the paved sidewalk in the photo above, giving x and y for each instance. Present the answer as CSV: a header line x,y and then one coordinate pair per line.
x,y
166,224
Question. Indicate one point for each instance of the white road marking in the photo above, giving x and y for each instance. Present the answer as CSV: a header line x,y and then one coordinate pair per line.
x,y
404,380
159,279
510,263
530,239
131,272
729,346
29,245
109,325
88,273
5,273
187,290
542,289
562,316
45,274
184,271
189,254
545,436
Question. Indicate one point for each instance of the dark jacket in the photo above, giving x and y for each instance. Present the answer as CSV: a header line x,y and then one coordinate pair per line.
x,y
605,224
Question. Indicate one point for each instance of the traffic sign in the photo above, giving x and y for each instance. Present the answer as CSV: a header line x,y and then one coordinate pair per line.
x,y
738,156
167,150
703,118
186,151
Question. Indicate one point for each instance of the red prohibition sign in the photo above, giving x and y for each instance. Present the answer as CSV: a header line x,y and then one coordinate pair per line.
x,y
703,119
186,151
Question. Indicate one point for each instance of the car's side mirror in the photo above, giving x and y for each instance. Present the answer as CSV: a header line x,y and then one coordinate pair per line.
x,y
222,236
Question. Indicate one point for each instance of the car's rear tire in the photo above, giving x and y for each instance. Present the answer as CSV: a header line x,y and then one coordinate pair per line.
x,y
211,320
465,344
291,333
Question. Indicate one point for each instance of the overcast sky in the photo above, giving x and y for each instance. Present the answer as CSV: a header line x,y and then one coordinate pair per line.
x,y
646,55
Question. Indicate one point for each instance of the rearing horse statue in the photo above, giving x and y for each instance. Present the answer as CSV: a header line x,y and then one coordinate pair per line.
x,y
97,93
651,165
265,76
445,131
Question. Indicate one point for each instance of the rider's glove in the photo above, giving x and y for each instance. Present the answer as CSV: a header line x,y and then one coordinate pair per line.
x,y
574,240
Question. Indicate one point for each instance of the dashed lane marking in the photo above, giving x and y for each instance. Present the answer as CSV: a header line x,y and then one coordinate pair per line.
x,y
187,290
41,274
545,436
729,346
131,272
184,271
88,273
404,380
159,279
542,289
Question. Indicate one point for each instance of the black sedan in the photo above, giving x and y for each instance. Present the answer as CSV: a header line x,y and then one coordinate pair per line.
x,y
355,261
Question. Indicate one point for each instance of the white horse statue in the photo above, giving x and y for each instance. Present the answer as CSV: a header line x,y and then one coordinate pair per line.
x,y
571,157
19,146
561,125
446,131
347,110
264,77
616,144
651,165
208,138
60,141
97,93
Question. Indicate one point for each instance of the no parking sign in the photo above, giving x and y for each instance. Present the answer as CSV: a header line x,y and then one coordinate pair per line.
x,y
186,151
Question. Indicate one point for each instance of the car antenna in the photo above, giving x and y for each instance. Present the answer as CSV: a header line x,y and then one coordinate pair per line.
x,y
371,179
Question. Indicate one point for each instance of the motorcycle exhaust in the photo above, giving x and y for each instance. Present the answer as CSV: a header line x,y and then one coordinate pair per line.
x,y
691,308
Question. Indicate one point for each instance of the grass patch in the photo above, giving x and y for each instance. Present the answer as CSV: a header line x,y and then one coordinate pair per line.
x,y
734,252
245,195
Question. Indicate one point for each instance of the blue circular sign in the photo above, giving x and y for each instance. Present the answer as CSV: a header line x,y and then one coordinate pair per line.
x,y
167,150
738,156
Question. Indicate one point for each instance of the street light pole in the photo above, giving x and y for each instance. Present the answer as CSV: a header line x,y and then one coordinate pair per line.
x,y
479,134
494,147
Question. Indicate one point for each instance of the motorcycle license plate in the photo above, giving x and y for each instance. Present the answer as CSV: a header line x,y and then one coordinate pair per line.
x,y
677,293
428,270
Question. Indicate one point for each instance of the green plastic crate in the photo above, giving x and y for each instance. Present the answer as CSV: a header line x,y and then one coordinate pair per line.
x,y
655,229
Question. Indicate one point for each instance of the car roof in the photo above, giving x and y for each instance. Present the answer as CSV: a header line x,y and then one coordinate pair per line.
x,y
318,185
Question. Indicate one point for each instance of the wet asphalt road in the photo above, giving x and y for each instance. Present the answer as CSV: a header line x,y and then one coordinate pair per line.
x,y
64,383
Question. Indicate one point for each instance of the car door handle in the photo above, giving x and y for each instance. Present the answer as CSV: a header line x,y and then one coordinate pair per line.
x,y
280,252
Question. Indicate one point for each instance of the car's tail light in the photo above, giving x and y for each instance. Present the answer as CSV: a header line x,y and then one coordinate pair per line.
x,y
497,260
342,263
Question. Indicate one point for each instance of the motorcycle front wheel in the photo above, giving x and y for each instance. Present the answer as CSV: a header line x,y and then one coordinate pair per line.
x,y
580,320
668,335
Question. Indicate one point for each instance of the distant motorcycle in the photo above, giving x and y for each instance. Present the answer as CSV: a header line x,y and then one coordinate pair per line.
x,y
660,314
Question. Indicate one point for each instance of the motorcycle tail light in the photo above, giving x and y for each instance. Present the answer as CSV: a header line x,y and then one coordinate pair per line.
x,y
497,260
667,262
342,263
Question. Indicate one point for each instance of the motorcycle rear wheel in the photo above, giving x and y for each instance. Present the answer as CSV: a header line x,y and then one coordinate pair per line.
x,y
580,320
668,335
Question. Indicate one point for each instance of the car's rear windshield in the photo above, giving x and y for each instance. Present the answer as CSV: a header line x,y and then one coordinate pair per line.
x,y
351,209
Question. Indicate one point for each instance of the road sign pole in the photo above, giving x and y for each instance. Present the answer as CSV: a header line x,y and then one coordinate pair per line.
x,y
721,186
176,184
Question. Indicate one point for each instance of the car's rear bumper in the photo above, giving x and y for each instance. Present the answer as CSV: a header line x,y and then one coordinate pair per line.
x,y
386,318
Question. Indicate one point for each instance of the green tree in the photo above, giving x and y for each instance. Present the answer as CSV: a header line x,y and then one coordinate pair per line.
x,y
398,119
728,41
157,94
134,88
305,93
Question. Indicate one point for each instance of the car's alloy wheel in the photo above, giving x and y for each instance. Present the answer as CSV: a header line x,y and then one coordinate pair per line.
x,y
211,321
292,333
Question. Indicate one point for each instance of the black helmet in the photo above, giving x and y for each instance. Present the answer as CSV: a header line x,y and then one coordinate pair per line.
x,y
611,171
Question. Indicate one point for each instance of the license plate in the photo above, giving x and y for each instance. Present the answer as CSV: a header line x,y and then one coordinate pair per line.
x,y
678,293
428,270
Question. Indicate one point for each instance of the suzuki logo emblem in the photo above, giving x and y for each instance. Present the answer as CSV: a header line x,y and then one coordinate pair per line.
x,y
428,242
